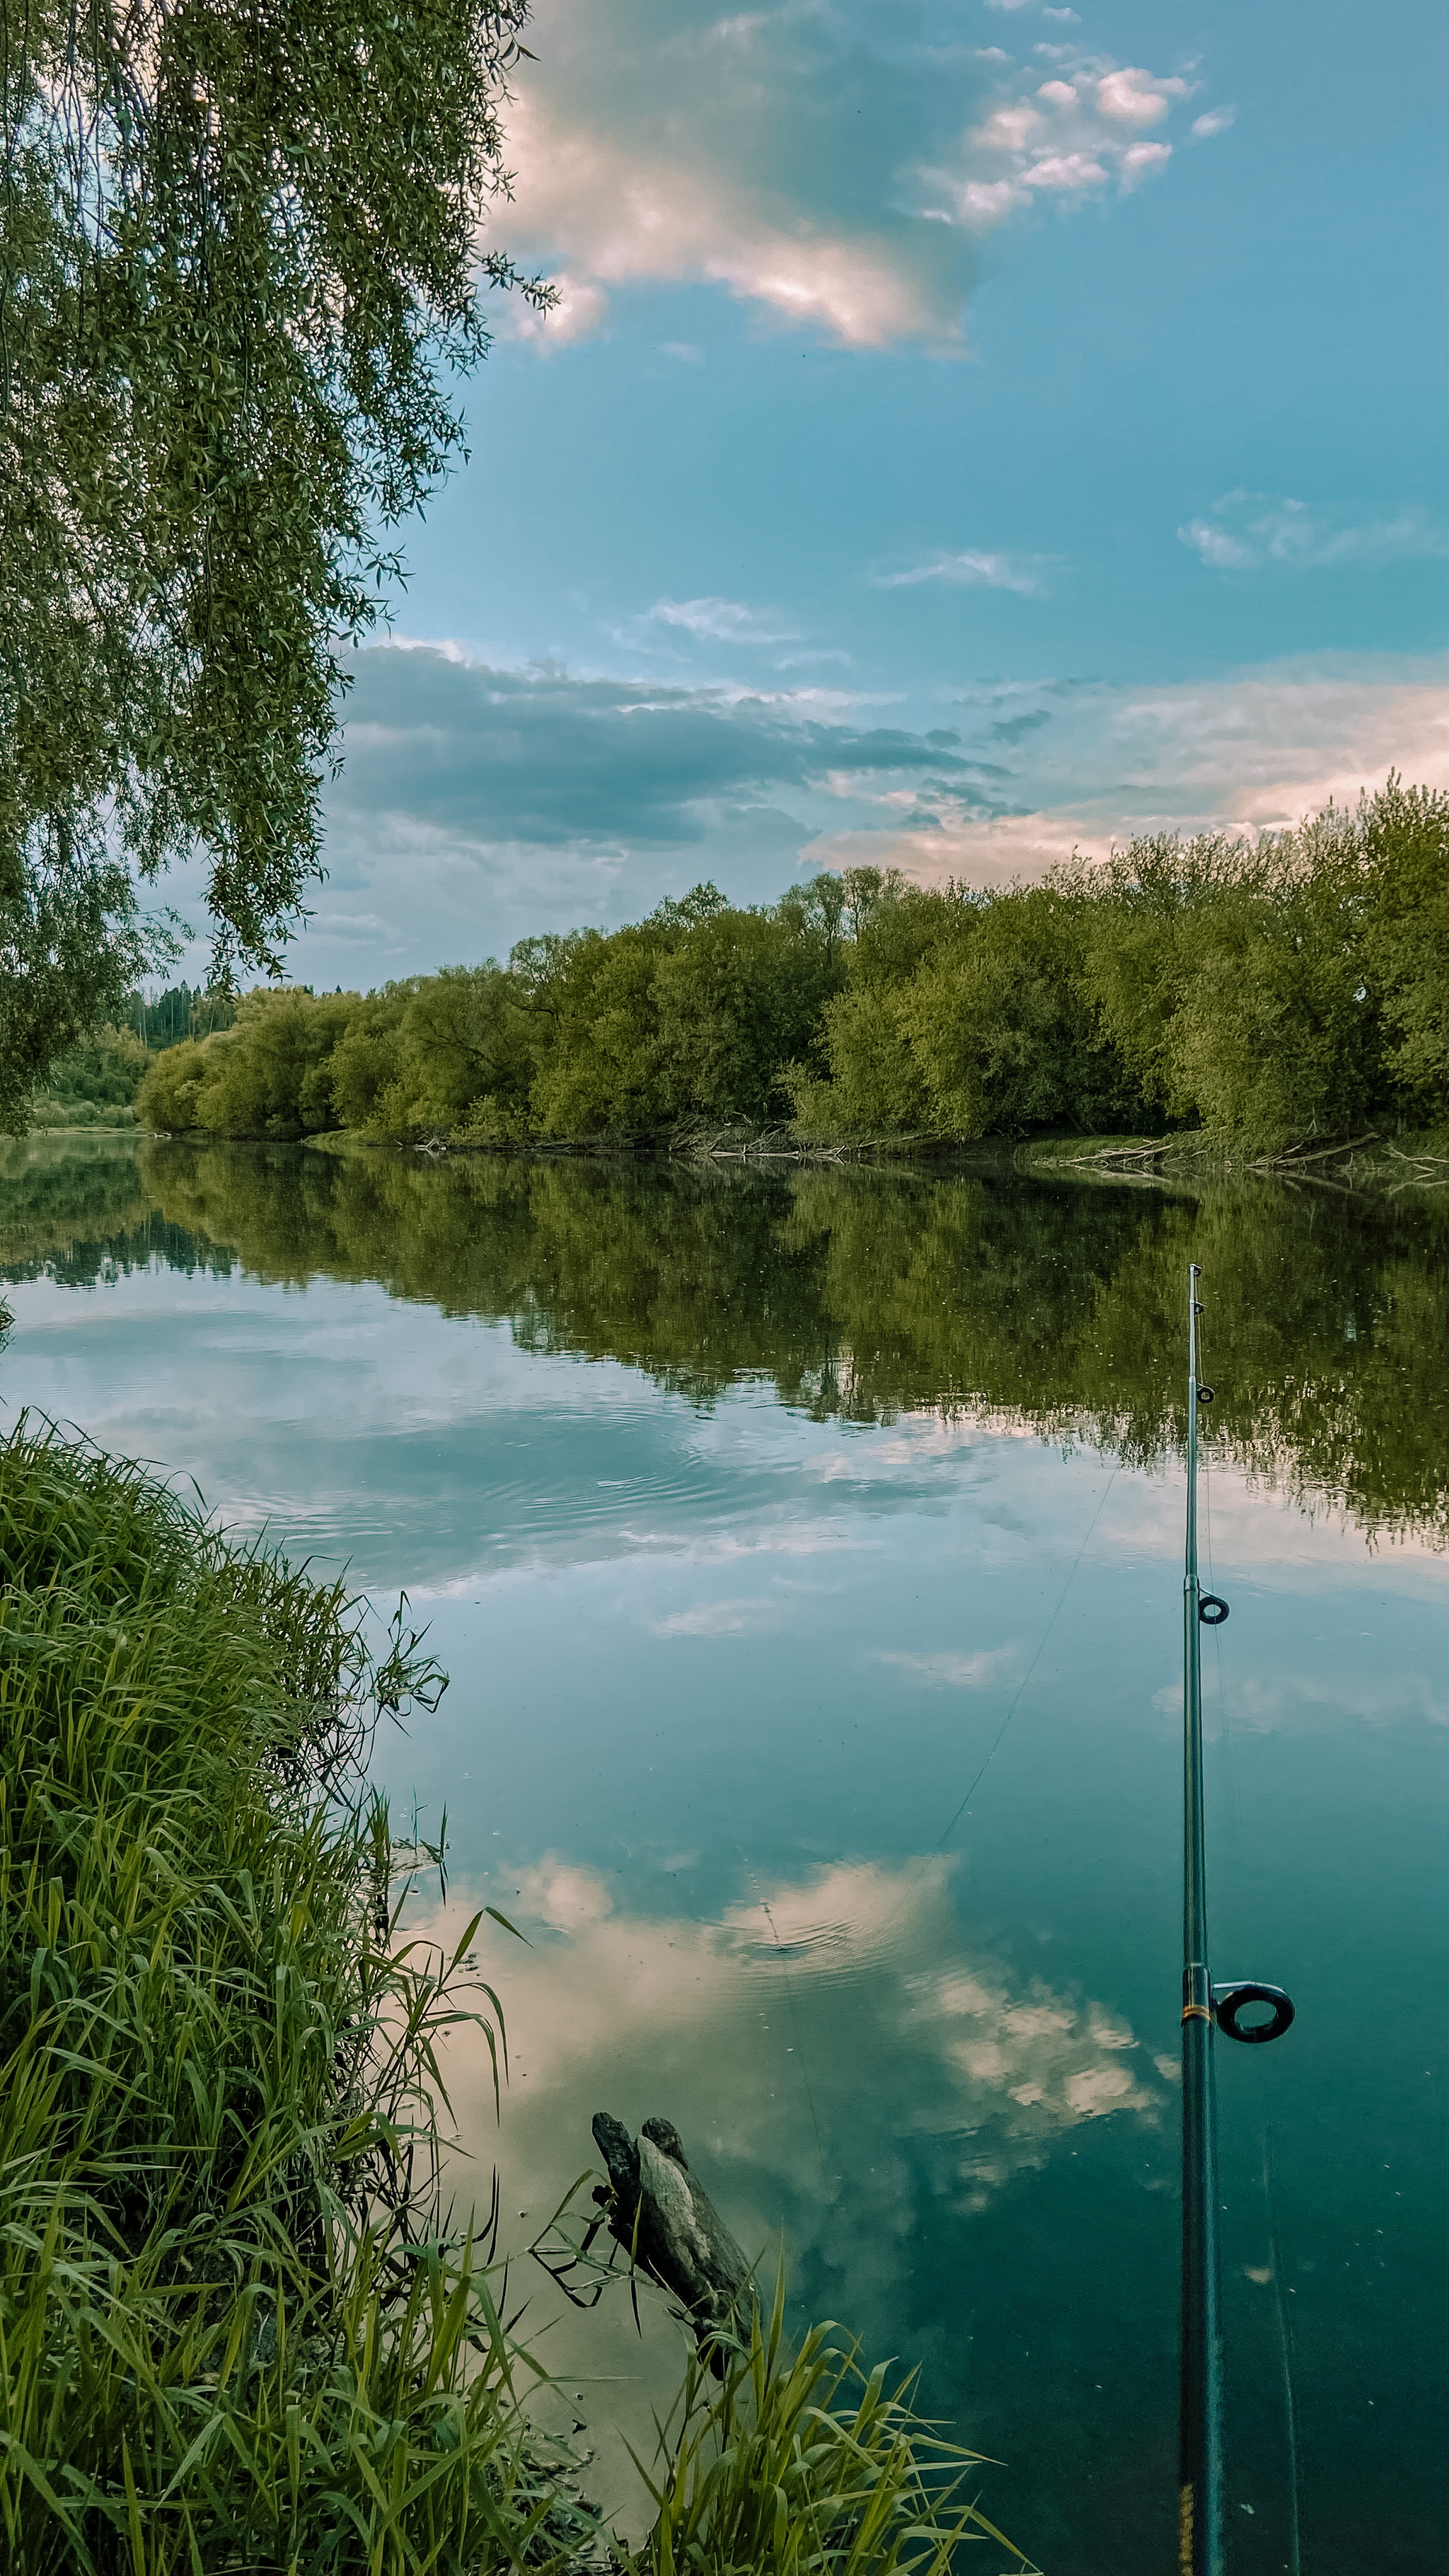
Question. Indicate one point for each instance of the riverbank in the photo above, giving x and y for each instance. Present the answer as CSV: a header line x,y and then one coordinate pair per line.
x,y
231,2329
1408,1159
238,2333
1184,1158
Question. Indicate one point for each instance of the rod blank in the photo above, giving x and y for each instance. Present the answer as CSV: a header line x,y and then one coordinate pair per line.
x,y
1200,2468
1205,2008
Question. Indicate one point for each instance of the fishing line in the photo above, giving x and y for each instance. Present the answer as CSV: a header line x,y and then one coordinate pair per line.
x,y
794,2023
1031,1668
1285,2345
799,2049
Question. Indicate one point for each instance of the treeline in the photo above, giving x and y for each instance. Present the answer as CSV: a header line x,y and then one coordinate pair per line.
x,y
1293,985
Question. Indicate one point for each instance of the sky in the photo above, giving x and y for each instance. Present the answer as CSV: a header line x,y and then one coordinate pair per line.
x,y
965,432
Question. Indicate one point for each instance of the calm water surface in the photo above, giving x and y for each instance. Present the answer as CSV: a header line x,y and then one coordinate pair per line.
x,y
805,1551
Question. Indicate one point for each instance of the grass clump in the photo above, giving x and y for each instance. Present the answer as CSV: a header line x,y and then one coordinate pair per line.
x,y
232,2332
784,2461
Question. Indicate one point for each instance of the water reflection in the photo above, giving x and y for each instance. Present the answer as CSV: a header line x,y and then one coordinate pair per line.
x,y
615,1992
781,1529
857,1294
832,2050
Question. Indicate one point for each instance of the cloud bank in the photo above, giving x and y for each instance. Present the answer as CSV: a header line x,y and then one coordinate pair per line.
x,y
1093,763
478,804
541,758
832,166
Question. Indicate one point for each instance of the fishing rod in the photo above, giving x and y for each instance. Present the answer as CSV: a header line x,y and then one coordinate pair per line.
x,y
1206,2008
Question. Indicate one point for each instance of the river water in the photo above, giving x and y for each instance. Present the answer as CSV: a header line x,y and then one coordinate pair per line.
x,y
805,1551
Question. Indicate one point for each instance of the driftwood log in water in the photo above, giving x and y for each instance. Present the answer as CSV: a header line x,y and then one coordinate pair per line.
x,y
661,2214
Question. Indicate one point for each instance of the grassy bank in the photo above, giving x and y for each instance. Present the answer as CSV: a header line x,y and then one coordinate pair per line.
x,y
231,2337
234,2334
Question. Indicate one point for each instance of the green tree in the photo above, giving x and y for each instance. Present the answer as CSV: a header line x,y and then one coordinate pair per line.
x,y
465,1057
98,1078
269,1075
738,1000
239,274
1405,838
1232,977
604,1073
170,1096
367,1059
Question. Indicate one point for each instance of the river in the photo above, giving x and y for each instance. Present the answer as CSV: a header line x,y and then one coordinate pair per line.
x,y
804,1547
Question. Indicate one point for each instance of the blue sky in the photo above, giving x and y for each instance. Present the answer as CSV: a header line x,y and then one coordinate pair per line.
x,y
965,431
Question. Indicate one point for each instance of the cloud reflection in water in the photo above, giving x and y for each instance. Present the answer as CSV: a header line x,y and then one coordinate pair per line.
x,y
827,2048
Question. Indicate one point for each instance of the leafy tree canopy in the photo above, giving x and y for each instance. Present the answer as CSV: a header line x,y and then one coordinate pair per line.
x,y
1284,988
239,271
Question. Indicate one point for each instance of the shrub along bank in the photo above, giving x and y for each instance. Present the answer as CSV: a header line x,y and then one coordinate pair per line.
x,y
95,1085
1296,985
233,2338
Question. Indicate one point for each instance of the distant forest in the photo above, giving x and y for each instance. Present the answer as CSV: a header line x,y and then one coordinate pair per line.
x,y
1284,987
185,1011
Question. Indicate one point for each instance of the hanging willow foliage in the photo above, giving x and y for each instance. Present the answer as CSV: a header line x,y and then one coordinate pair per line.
x,y
239,268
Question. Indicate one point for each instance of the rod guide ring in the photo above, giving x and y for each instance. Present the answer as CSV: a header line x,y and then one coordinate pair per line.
x,y
1230,2000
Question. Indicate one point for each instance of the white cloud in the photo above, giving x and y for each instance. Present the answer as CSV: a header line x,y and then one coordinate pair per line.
x,y
723,620
955,1672
974,571
349,925
722,1619
1068,138
1135,98
618,205
1140,161
798,159
1250,531
576,313
1216,121
1064,170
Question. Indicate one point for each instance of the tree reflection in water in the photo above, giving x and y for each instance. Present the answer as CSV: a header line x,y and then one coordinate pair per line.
x,y
858,1292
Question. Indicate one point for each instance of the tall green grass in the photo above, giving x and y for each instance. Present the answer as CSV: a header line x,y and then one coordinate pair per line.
x,y
784,2461
232,2332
